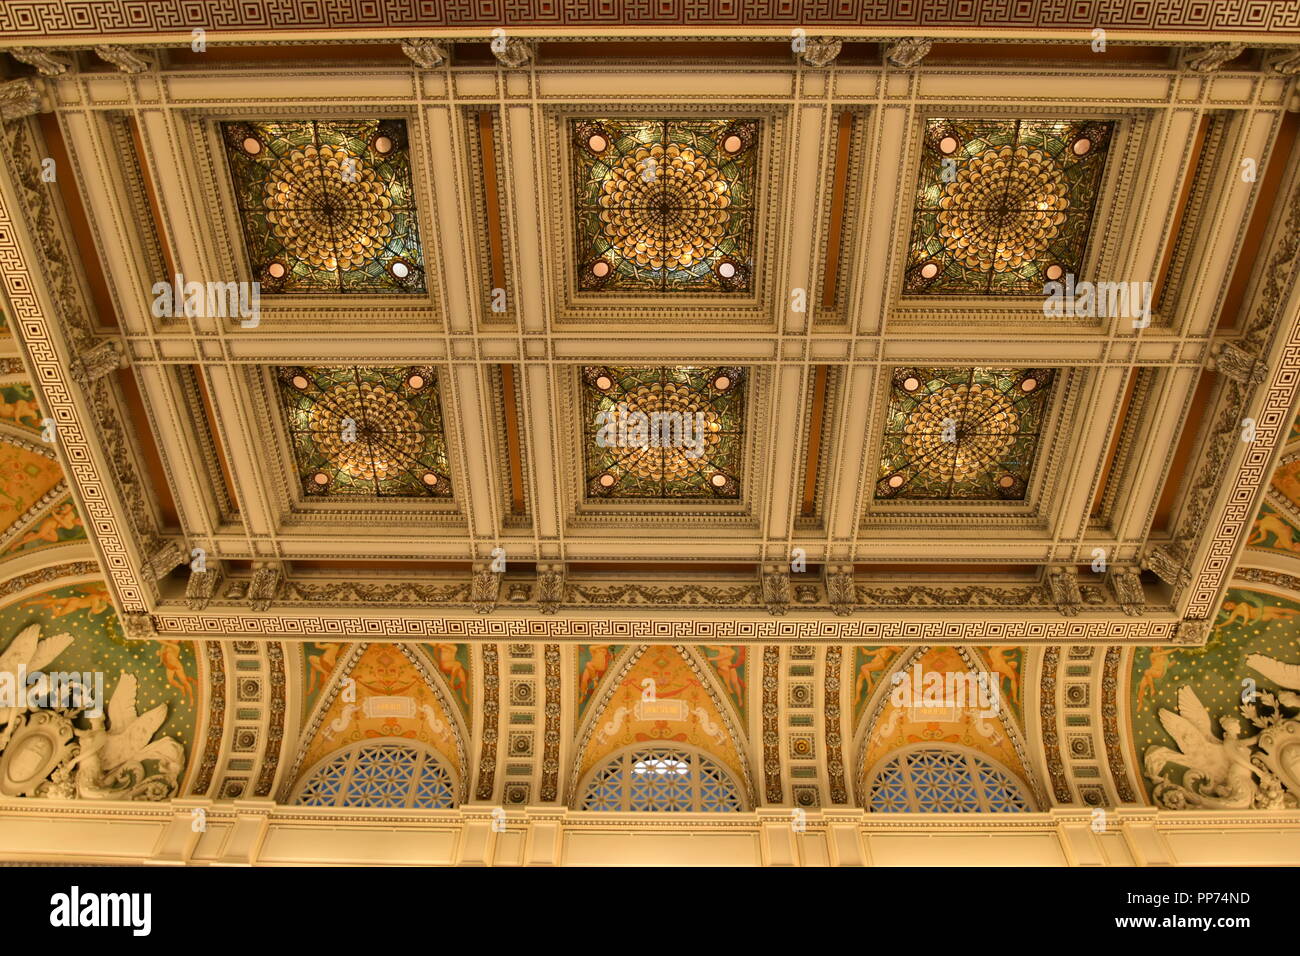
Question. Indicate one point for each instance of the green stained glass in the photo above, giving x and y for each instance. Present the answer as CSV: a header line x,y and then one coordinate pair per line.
x,y
327,207
366,431
1003,206
664,433
962,433
665,205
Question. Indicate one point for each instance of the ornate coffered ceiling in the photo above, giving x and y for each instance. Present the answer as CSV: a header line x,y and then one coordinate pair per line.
x,y
575,366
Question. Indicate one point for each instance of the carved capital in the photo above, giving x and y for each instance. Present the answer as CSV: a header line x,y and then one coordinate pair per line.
x,y
138,627
1126,584
550,587
776,588
1236,363
820,52
20,99
907,52
425,54
47,62
484,588
203,585
840,591
124,58
512,52
1063,584
264,587
99,360
1192,633
1211,56
163,557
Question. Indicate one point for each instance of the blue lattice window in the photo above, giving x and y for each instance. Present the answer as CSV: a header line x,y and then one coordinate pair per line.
x,y
385,775
943,781
661,780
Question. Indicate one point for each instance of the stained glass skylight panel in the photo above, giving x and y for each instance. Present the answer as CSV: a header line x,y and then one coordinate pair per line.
x,y
665,205
667,433
366,431
1004,206
327,207
962,433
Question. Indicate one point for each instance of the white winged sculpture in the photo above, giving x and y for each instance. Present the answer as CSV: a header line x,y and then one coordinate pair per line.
x,y
112,758
1280,673
29,653
1219,772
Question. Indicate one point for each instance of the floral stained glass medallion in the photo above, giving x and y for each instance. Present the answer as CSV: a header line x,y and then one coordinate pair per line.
x,y
1003,206
374,432
327,207
665,205
962,433
663,433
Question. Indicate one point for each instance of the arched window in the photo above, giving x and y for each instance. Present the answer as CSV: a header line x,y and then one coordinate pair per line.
x,y
660,780
380,775
943,780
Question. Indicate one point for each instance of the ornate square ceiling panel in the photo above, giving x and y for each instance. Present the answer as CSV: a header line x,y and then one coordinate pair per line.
x,y
373,432
968,434
665,205
667,434
1003,206
327,207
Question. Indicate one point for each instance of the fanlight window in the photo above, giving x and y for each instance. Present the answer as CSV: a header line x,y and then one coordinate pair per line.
x,y
943,781
384,776
661,780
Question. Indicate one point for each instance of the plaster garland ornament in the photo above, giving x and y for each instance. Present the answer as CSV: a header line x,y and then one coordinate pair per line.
x,y
20,99
776,589
1235,772
820,52
840,592
907,53
514,53
1126,583
424,53
264,587
484,590
1237,364
1208,58
47,62
124,58
138,626
99,360
1064,586
1192,632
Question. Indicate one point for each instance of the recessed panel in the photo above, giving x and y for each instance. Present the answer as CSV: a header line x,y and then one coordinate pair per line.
x,y
665,205
663,433
369,432
1003,206
968,434
327,207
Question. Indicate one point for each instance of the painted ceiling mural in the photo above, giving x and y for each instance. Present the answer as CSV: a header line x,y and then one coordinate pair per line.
x,y
1004,206
57,524
327,207
665,205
